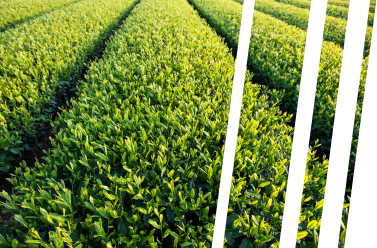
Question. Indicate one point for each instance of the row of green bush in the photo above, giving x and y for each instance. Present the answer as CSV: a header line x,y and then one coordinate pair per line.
x,y
342,12
335,11
346,4
335,28
137,157
43,58
13,12
331,11
276,56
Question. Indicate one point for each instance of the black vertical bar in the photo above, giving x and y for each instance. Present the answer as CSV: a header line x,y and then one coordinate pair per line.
x,y
304,118
234,114
344,118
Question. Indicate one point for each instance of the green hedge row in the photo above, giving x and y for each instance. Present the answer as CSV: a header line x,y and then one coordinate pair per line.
x,y
276,56
335,11
41,59
335,28
342,12
137,158
13,12
330,9
346,4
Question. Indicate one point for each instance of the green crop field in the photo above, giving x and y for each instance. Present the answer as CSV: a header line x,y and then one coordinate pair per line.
x,y
131,101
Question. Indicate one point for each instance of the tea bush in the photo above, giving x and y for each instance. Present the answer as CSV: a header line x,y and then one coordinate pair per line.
x,y
137,158
335,28
276,56
13,12
340,3
41,59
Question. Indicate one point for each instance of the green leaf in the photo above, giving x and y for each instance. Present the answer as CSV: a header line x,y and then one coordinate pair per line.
x,y
230,239
99,229
3,240
174,234
142,210
166,233
90,206
254,230
312,225
15,151
264,184
20,219
102,156
15,243
319,204
246,243
154,223
58,217
302,234
138,197
254,220
103,213
46,216
170,214
186,244
110,196
34,241
343,237
27,147
264,239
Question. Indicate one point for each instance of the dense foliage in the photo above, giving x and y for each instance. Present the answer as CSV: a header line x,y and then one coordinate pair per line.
x,y
332,10
137,160
276,56
335,28
13,12
332,6
137,157
43,58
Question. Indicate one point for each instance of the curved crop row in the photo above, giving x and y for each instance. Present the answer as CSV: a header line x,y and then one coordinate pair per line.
x,y
276,53
276,57
13,12
337,10
335,28
342,12
331,10
42,58
346,4
137,159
